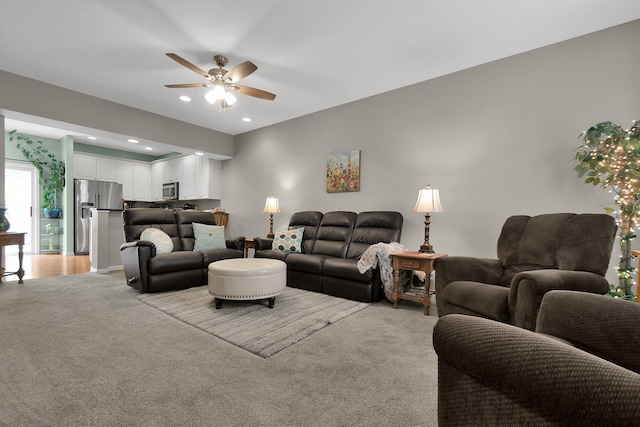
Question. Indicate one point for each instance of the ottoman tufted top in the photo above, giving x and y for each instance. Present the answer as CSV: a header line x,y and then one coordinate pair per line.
x,y
247,267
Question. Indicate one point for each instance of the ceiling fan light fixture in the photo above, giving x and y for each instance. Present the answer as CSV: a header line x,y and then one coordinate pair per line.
x,y
230,98
216,94
221,81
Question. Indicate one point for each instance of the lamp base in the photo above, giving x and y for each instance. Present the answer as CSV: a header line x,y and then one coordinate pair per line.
x,y
270,236
426,249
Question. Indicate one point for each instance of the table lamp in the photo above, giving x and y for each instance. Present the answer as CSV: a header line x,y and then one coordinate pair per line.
x,y
271,207
428,201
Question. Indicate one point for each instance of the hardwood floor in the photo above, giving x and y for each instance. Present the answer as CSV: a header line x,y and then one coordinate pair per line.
x,y
47,265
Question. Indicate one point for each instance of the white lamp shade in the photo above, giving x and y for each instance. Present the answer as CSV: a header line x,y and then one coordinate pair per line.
x,y
428,200
272,205
210,97
230,98
216,94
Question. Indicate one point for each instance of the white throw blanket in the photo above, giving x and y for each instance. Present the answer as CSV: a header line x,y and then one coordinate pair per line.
x,y
379,254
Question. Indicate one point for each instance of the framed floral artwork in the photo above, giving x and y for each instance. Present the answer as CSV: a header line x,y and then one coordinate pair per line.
x,y
343,172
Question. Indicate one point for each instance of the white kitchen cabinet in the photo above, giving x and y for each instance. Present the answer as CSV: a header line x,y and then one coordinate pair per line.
x,y
106,169
188,177
172,170
203,178
157,179
142,182
87,166
198,177
84,166
125,177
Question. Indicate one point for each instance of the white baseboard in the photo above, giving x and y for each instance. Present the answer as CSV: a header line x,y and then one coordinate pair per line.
x,y
105,270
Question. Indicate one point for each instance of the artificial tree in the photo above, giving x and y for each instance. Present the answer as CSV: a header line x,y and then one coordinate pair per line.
x,y
610,158
50,169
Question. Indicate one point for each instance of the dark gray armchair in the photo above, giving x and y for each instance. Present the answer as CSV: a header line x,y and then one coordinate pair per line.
x,y
535,255
580,367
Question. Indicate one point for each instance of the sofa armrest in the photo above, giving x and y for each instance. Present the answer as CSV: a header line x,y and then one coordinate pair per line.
x,y
454,268
528,288
135,258
236,243
491,373
139,243
601,325
262,243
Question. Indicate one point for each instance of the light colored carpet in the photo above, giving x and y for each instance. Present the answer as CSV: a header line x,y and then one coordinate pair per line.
x,y
83,351
251,325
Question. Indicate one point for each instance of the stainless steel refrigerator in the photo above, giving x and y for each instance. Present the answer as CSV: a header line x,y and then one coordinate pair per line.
x,y
92,194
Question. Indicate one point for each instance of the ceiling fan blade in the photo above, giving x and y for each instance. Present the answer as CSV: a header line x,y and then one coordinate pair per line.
x,y
262,94
188,64
187,85
240,71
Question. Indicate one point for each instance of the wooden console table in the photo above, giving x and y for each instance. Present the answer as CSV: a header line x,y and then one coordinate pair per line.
x,y
413,261
8,239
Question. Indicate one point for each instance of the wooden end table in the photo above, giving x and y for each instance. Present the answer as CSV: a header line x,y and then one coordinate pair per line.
x,y
7,239
413,261
248,244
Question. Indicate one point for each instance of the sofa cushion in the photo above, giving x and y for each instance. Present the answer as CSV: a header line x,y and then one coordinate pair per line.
x,y
211,255
307,263
374,227
159,238
184,220
174,261
137,220
587,251
347,269
208,237
485,300
309,220
334,234
288,240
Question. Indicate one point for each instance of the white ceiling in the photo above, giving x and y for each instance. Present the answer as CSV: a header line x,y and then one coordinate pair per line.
x,y
313,54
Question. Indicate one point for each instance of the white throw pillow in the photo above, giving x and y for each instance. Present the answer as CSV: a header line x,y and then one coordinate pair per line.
x,y
163,242
208,237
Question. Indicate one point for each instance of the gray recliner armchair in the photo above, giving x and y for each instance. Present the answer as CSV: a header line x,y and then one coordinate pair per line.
x,y
580,367
535,255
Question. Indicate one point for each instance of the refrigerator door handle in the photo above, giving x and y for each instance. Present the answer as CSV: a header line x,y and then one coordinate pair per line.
x,y
86,209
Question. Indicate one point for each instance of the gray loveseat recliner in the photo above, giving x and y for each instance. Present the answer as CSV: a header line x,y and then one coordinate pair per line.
x,y
332,244
580,366
180,269
535,255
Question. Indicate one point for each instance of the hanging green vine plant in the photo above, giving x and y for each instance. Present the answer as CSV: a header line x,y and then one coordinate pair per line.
x,y
50,169
610,158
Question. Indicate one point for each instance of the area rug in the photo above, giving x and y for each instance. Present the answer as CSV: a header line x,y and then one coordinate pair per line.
x,y
251,325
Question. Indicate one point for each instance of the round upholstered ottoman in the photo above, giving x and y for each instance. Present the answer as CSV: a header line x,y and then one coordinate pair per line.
x,y
247,279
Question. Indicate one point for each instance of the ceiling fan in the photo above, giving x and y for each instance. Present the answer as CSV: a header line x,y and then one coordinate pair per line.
x,y
223,82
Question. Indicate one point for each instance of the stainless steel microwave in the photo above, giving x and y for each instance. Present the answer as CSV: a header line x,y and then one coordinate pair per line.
x,y
170,191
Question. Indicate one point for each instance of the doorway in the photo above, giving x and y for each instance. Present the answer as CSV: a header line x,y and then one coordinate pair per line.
x,y
22,200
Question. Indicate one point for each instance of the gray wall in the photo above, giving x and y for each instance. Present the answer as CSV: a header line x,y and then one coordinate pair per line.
x,y
496,140
23,96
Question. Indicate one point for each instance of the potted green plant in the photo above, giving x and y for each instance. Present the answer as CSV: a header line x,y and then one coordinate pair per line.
x,y
50,171
610,158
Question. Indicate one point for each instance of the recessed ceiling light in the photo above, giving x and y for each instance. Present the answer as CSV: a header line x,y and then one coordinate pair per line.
x,y
148,148
93,138
133,141
198,153
185,98
246,119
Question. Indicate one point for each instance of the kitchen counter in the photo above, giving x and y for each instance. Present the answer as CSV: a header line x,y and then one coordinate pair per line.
x,y
107,235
